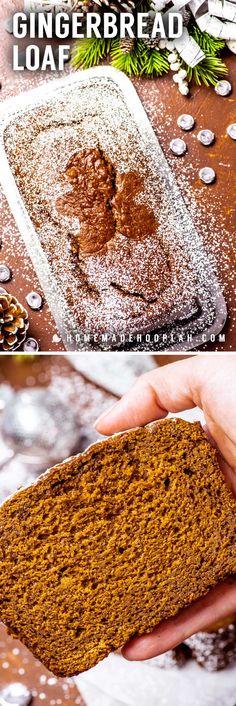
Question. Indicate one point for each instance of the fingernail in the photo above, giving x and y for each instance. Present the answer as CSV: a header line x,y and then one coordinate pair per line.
x,y
104,415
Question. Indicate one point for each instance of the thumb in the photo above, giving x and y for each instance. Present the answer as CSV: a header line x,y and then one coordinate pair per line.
x,y
164,390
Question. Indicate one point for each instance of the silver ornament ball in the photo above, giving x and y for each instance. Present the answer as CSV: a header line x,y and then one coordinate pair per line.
x,y
178,146
31,346
223,88
34,300
207,175
8,24
37,424
5,273
206,137
15,694
231,131
186,121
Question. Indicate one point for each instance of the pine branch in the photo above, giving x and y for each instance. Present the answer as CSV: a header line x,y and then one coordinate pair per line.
x,y
209,71
129,63
140,61
143,5
211,68
150,62
154,63
89,52
210,45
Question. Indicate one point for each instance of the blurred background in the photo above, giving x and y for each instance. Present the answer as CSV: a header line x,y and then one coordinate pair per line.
x,y
49,403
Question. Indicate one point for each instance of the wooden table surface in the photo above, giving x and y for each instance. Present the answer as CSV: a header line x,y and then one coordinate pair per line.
x,y
17,665
213,208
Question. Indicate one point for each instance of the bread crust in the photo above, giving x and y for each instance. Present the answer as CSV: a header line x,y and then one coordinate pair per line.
x,y
109,543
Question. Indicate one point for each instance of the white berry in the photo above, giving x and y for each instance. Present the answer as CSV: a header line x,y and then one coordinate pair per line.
x,y
176,78
172,57
183,88
231,44
170,44
182,73
158,5
162,43
175,66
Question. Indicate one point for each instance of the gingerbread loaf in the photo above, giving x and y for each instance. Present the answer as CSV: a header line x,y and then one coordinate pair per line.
x,y
101,214
109,543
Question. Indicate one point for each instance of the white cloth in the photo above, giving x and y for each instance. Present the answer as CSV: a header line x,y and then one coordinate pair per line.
x,y
116,682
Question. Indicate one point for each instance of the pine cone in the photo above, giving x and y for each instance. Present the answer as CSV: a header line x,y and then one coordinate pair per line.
x,y
127,45
101,6
151,43
186,14
87,6
13,323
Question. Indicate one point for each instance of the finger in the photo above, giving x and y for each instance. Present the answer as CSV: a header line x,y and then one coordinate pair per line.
x,y
229,474
164,390
216,605
227,470
226,445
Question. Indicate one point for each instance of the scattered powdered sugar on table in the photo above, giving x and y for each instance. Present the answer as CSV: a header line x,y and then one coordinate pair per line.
x,y
24,280
207,210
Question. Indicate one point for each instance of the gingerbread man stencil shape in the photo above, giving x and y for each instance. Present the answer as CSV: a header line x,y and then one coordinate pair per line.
x,y
104,202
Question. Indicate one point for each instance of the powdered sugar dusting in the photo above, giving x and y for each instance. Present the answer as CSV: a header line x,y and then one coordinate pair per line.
x,y
102,292
84,122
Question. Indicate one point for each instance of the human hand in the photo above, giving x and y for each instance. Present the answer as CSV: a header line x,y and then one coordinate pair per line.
x,y
209,383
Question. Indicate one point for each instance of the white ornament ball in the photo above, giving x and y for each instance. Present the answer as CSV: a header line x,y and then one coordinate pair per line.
x,y
172,57
176,78
175,66
182,73
231,44
162,44
183,88
158,5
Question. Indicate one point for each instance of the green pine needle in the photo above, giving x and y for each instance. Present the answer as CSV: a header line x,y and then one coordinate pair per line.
x,y
89,52
210,45
143,6
211,68
154,63
129,63
140,61
209,71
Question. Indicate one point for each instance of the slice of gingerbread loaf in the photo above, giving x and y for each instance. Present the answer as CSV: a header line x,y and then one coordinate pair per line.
x,y
110,542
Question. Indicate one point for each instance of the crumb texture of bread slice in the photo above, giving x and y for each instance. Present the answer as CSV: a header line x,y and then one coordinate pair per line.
x,y
109,543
